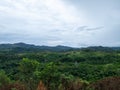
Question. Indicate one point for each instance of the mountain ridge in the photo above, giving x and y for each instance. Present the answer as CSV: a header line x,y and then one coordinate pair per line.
x,y
32,47
23,47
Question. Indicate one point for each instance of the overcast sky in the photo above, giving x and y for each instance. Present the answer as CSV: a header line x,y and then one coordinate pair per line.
x,y
60,22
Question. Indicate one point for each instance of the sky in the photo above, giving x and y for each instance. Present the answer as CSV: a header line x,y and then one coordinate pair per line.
x,y
76,23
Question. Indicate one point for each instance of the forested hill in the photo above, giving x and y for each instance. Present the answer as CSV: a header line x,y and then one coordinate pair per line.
x,y
101,48
23,47
28,67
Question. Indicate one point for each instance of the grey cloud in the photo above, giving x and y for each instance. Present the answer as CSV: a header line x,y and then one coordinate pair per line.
x,y
102,12
96,28
81,28
18,37
2,27
87,28
91,22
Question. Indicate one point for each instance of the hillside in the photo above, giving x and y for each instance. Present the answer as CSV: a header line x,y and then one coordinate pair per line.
x,y
23,47
29,67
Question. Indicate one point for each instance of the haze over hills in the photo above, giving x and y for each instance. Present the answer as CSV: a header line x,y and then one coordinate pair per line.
x,y
30,47
23,47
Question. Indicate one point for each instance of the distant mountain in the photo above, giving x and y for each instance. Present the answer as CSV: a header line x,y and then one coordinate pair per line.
x,y
115,48
101,48
23,47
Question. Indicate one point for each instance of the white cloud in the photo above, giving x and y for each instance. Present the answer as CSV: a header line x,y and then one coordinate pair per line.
x,y
47,14
52,22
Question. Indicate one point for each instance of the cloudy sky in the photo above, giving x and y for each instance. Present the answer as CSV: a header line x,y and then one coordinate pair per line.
x,y
60,22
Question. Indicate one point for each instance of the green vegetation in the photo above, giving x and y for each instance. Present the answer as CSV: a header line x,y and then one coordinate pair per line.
x,y
68,70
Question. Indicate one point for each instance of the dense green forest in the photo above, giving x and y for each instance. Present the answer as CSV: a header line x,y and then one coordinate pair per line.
x,y
56,69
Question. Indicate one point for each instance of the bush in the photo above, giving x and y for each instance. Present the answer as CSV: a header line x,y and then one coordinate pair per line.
x,y
4,79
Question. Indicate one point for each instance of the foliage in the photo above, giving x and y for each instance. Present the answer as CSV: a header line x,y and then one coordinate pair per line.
x,y
27,68
73,69
4,79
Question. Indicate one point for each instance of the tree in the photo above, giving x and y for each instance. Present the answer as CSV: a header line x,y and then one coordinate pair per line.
x,y
27,69
50,76
4,79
